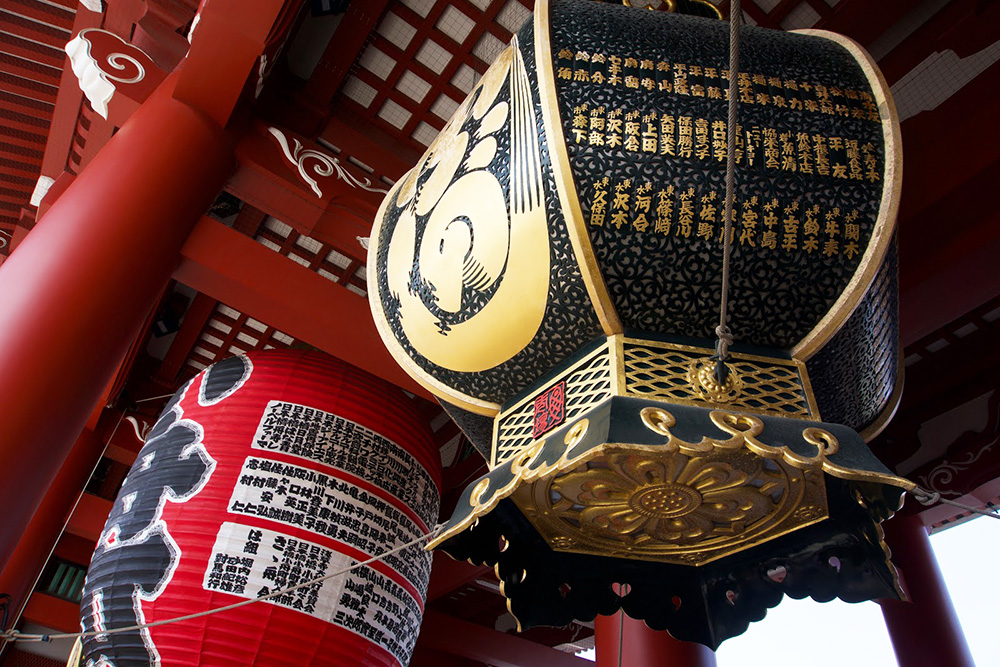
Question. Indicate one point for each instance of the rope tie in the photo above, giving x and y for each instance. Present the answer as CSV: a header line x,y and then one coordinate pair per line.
x,y
725,339
14,635
928,498
725,336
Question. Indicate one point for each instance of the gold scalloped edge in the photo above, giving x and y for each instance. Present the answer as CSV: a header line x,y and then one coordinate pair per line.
x,y
881,541
727,421
506,598
822,440
888,560
743,430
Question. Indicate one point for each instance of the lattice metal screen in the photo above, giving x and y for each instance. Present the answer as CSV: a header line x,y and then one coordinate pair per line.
x,y
587,383
653,371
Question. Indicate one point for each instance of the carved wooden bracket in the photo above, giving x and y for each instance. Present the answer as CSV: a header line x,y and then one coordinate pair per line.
x,y
306,186
114,75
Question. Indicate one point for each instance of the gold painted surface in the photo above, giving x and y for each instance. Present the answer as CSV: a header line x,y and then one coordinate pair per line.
x,y
825,442
885,224
76,654
575,224
665,6
742,431
588,382
701,378
711,6
674,508
470,240
684,374
651,369
422,377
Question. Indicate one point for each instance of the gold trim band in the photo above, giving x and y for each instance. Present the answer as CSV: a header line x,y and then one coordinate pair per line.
x,y
576,226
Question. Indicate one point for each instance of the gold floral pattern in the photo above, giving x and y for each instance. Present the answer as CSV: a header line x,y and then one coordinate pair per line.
x,y
675,500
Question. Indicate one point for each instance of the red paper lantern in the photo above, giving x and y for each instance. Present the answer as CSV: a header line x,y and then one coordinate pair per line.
x,y
264,472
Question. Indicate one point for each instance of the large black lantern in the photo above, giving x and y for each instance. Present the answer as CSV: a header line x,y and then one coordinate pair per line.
x,y
553,264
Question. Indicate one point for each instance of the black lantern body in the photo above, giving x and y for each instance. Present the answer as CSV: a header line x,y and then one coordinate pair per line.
x,y
553,265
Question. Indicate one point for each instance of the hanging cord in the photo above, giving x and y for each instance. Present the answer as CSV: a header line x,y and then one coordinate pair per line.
x,y
153,398
14,635
725,336
925,497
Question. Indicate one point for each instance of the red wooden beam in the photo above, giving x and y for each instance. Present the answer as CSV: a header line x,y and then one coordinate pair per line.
x,y
255,280
356,136
948,225
27,154
67,4
32,90
24,138
43,12
938,34
16,197
924,629
858,20
230,36
449,574
29,50
960,135
16,104
948,258
42,533
63,118
67,107
343,49
457,637
267,180
29,69
20,185
33,30
954,374
248,220
53,612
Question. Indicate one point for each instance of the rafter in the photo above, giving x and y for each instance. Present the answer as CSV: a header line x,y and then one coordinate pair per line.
x,y
255,280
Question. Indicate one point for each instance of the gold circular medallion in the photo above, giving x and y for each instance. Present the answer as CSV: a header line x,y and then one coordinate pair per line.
x,y
665,501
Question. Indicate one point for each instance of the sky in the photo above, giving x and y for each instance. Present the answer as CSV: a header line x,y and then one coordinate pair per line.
x,y
804,633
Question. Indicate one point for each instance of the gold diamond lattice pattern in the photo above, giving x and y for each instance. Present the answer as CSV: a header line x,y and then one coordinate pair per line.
x,y
664,373
587,384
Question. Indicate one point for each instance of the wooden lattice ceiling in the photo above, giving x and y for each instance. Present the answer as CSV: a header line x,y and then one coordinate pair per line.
x,y
32,37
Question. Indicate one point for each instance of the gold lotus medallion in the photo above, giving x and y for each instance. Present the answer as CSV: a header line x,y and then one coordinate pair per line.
x,y
672,507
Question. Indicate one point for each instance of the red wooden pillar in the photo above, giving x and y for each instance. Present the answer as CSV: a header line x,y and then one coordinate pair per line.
x,y
625,642
42,533
77,288
924,630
